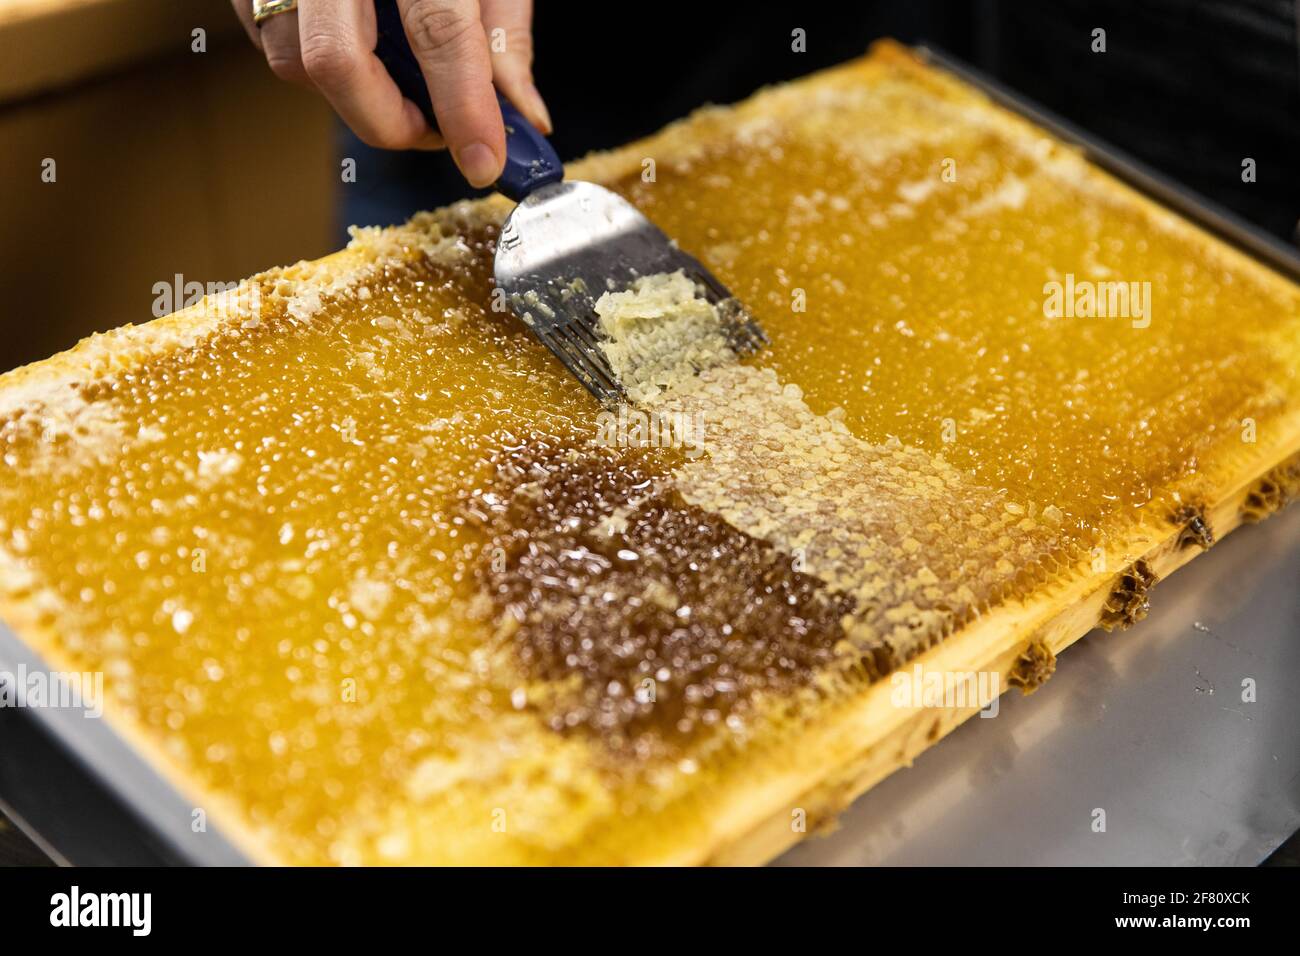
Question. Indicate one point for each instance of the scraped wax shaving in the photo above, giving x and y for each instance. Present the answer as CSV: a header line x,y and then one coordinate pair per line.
x,y
916,545
658,331
363,578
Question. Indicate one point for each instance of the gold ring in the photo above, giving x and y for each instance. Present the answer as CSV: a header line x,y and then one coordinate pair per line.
x,y
265,9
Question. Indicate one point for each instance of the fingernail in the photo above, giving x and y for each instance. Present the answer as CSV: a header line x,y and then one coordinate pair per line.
x,y
478,164
431,141
543,114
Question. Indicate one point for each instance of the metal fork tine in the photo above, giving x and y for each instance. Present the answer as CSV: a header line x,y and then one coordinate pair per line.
x,y
567,332
584,328
579,359
573,358
753,338
712,286
591,371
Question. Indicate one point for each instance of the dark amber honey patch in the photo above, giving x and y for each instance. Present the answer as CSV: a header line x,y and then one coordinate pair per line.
x,y
660,618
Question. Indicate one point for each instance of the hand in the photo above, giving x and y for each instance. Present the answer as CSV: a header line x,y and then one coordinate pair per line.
x,y
464,47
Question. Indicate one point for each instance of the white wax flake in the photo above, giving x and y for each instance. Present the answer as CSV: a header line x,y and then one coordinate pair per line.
x,y
1011,193
395,845
659,331
305,303
369,597
917,191
215,465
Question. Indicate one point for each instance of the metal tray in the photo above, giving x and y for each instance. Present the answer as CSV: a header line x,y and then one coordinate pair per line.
x,y
88,798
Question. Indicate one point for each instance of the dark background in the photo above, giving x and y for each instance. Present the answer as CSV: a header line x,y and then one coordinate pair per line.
x,y
1190,86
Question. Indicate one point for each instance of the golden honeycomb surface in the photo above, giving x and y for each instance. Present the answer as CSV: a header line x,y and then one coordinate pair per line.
x,y
362,576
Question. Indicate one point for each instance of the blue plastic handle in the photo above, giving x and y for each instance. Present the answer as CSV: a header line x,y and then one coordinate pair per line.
x,y
531,161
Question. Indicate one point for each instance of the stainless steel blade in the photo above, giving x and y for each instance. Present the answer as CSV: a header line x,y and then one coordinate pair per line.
x,y
567,244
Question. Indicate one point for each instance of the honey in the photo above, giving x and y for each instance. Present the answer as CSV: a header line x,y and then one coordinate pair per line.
x,y
361,577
